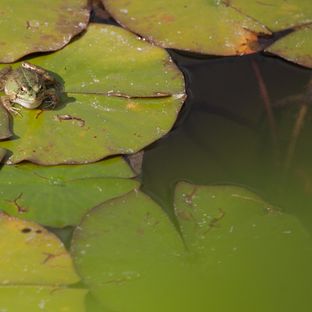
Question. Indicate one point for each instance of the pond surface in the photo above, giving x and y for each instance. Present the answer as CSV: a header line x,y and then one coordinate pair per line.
x,y
223,134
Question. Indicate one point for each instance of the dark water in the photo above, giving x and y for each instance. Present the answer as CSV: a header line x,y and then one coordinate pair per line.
x,y
223,134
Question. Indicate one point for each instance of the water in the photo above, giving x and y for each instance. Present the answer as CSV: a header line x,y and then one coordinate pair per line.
x,y
224,135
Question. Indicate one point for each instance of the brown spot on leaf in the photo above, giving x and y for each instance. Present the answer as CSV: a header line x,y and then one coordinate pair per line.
x,y
248,43
184,215
167,18
26,230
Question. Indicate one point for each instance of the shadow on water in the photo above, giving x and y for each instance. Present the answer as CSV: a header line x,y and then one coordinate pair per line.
x,y
223,134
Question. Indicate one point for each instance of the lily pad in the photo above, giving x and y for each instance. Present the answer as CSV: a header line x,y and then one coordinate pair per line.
x,y
295,47
60,195
209,27
276,14
112,61
110,117
41,298
39,26
35,267
237,253
32,255
5,131
2,153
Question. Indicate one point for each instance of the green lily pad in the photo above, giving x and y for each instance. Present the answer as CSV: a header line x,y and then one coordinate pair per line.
x,y
2,153
237,253
276,14
210,27
41,298
59,196
109,118
39,26
112,61
5,131
100,126
295,47
30,255
35,267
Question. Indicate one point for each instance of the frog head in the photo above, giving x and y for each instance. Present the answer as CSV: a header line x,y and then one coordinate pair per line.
x,y
25,87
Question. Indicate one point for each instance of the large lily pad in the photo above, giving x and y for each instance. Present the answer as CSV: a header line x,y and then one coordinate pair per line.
x,y
112,61
276,14
210,27
39,25
110,66
295,47
237,253
59,196
35,267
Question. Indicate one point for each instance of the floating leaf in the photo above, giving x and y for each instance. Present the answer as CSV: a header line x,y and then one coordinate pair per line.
x,y
5,131
133,258
122,64
210,27
295,47
276,14
32,255
92,126
59,196
99,126
39,25
2,153
35,267
41,298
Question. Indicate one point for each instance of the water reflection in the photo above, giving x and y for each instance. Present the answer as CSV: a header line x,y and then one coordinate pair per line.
x,y
224,135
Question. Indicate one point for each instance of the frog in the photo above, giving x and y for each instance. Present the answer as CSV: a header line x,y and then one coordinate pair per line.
x,y
28,85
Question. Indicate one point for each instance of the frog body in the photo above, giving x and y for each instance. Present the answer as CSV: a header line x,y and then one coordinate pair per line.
x,y
28,85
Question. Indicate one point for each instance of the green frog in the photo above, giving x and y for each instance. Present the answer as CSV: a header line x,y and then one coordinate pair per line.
x,y
29,86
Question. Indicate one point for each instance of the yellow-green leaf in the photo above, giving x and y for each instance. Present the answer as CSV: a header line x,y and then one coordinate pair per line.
x,y
276,14
41,298
237,253
132,93
32,255
59,196
209,27
39,25
295,47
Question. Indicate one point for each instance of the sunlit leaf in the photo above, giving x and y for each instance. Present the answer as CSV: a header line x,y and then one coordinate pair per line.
x,y
210,27
112,61
35,267
41,298
132,257
276,14
104,120
32,255
60,195
295,47
39,25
